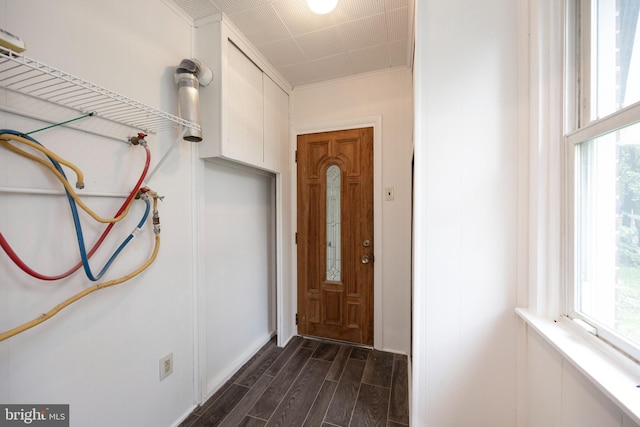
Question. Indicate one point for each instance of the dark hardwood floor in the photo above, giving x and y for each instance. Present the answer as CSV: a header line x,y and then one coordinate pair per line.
x,y
311,383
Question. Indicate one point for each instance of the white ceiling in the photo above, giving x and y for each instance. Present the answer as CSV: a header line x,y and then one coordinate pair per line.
x,y
359,36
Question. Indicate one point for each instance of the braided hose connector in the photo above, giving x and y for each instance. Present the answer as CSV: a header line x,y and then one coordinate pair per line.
x,y
156,222
146,192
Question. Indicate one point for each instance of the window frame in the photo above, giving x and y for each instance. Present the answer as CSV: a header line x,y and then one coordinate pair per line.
x,y
579,129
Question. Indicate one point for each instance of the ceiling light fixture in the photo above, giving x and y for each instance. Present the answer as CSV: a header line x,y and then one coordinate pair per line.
x,y
322,7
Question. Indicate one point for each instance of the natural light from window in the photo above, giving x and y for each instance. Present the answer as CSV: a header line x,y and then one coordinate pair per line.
x,y
607,177
615,55
609,230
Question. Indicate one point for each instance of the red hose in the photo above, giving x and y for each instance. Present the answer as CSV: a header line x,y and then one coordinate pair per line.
x,y
24,267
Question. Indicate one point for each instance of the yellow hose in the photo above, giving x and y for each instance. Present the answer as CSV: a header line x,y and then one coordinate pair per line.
x,y
63,180
46,316
54,156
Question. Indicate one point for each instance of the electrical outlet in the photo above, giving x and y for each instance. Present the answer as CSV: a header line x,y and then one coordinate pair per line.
x,y
166,366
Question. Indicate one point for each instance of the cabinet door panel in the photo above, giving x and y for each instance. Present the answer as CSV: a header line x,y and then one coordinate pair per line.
x,y
276,123
245,130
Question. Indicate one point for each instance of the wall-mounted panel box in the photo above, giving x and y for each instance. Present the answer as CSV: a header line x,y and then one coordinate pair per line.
x,y
245,110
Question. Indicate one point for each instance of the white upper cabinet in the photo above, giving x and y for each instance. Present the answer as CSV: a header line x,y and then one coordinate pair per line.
x,y
276,122
245,110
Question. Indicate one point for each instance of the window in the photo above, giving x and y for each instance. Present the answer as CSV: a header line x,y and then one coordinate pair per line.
x,y
604,144
333,223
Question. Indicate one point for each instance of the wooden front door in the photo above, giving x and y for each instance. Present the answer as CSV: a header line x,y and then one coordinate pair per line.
x,y
335,235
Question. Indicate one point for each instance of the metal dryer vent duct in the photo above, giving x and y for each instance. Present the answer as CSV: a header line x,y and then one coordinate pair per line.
x,y
189,76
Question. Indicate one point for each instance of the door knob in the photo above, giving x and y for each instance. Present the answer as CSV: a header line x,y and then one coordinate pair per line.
x,y
365,259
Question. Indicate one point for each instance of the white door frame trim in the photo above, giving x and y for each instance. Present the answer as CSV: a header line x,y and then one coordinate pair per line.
x,y
329,126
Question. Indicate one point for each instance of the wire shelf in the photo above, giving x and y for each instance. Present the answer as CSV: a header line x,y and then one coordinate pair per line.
x,y
24,75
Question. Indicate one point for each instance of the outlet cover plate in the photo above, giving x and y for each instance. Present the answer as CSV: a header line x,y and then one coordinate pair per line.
x,y
166,366
389,194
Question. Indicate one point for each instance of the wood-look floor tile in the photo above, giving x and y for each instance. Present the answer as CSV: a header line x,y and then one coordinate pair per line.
x,y
252,422
319,408
295,406
190,421
316,384
360,353
379,368
326,351
254,371
340,361
221,407
240,410
273,395
344,399
273,343
399,402
203,408
309,343
289,350
371,407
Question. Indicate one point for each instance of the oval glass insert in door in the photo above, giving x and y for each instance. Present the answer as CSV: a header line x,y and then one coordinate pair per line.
x,y
333,223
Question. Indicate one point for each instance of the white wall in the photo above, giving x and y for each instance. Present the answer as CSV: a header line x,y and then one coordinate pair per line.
x,y
100,355
237,297
466,200
557,394
388,95
551,390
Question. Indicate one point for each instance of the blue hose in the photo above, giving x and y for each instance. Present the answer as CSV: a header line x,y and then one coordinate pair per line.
x,y
127,240
76,219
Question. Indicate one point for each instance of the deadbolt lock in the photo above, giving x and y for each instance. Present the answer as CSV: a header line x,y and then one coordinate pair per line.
x,y
366,243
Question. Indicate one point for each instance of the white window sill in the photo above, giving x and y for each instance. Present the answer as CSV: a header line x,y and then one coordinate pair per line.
x,y
616,377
